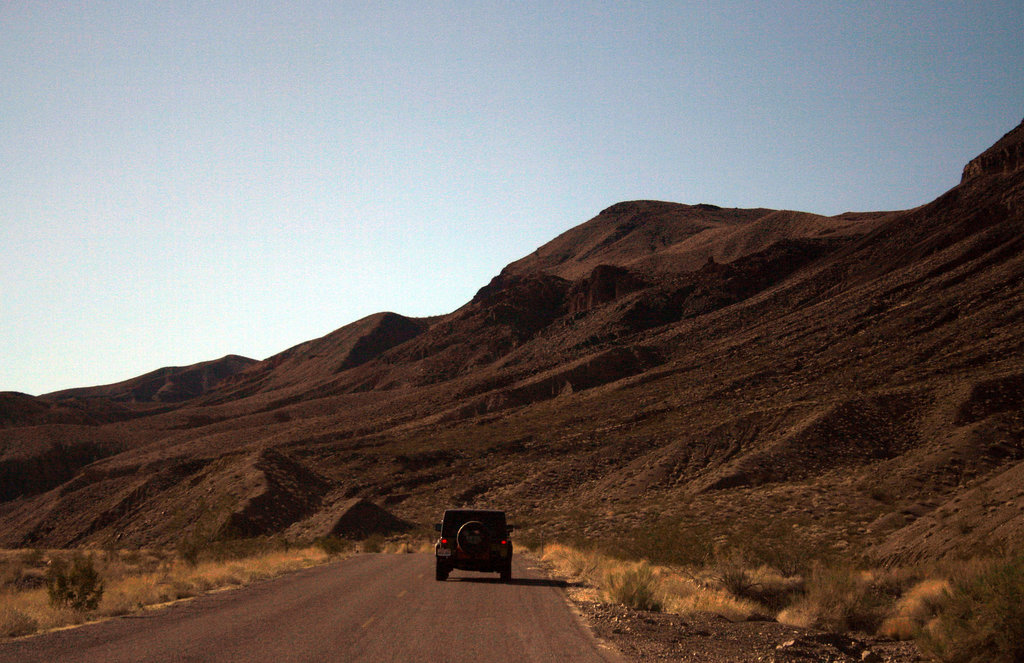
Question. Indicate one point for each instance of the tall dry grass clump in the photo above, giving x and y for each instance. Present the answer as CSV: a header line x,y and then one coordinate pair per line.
x,y
915,609
576,563
688,594
636,588
14,622
761,589
843,598
981,617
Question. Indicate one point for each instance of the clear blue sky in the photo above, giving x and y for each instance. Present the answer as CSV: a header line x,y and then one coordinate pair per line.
x,y
181,181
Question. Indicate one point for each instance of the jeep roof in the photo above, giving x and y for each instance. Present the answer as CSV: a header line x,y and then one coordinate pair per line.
x,y
454,518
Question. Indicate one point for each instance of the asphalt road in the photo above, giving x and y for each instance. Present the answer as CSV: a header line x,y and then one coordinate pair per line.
x,y
365,608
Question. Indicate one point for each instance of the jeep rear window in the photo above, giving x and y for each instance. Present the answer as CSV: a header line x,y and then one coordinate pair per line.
x,y
453,520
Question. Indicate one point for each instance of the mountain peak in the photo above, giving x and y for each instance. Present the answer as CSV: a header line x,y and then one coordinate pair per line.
x,y
1006,156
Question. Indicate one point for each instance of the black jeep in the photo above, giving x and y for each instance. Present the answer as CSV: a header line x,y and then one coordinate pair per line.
x,y
473,540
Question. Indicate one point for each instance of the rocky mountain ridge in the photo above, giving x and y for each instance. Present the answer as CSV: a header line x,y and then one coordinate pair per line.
x,y
849,383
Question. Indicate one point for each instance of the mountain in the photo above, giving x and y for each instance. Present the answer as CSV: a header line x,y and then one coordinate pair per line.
x,y
166,385
852,383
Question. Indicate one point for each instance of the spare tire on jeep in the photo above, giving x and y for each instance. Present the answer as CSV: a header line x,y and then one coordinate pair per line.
x,y
474,538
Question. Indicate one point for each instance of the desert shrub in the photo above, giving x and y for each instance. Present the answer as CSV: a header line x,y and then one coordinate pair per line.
x,y
195,548
132,557
584,565
762,585
581,563
530,539
331,545
34,557
634,588
373,543
736,581
14,623
775,544
981,619
772,589
77,586
225,550
840,598
665,542
731,573
10,574
154,577
686,595
676,542
189,547
915,609
30,578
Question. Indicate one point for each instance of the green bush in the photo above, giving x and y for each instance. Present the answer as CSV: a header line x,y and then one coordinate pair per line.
x,y
981,619
634,588
77,586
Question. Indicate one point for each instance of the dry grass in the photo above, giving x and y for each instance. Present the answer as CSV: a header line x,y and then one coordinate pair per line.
x,y
636,588
979,619
14,622
898,603
576,563
844,598
643,586
137,579
407,547
915,609
686,594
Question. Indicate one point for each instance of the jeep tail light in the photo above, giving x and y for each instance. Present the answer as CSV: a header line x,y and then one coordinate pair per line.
x,y
504,542
444,542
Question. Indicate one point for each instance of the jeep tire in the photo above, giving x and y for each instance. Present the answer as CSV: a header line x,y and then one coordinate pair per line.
x,y
441,572
474,537
506,570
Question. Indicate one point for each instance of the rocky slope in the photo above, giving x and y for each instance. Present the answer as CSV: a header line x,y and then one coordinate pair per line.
x,y
166,385
848,383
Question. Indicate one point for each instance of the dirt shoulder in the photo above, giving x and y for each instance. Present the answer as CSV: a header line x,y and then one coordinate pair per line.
x,y
709,638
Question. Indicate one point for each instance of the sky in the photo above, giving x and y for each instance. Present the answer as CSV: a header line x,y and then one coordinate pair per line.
x,y
180,181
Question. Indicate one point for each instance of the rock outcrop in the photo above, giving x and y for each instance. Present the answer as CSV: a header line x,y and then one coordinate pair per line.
x,y
1006,156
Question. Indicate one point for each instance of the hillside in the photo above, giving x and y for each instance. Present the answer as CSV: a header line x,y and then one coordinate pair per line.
x,y
852,383
166,385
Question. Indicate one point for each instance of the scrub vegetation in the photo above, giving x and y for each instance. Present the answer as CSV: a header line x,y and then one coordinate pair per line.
x,y
958,612
45,589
